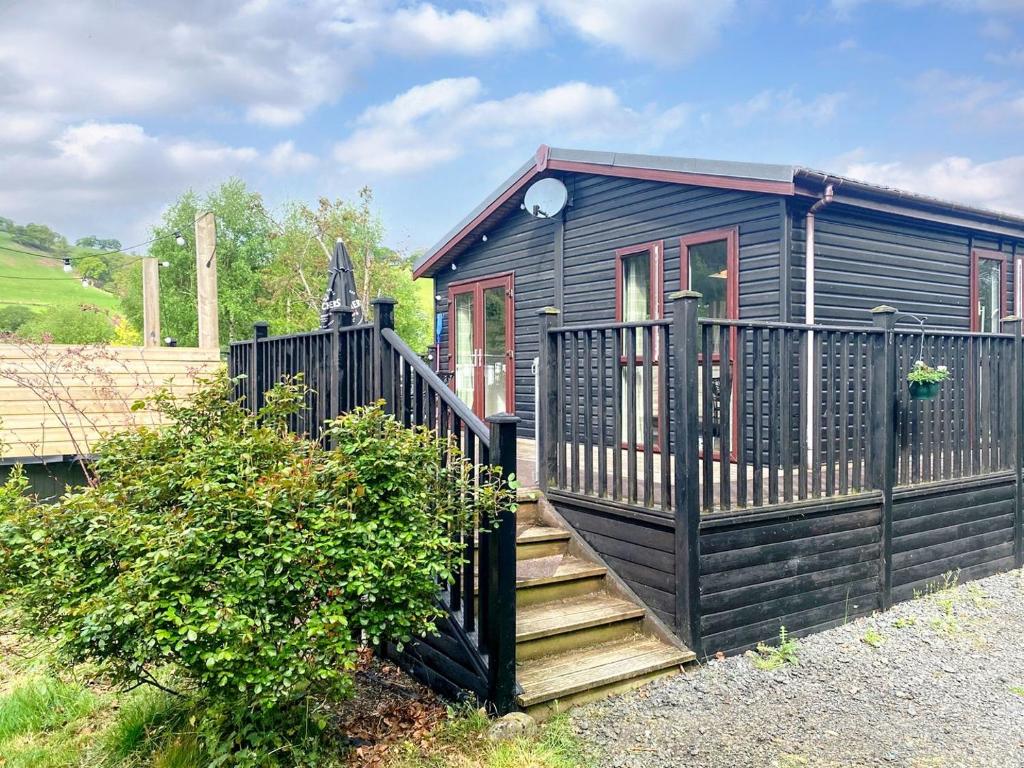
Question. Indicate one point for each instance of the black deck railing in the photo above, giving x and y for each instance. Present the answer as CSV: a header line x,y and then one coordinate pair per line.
x,y
347,366
690,419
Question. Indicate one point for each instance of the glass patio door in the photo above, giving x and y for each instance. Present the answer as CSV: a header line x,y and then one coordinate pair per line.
x,y
482,344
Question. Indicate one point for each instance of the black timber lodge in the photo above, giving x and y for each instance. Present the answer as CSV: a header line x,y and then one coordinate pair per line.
x,y
698,371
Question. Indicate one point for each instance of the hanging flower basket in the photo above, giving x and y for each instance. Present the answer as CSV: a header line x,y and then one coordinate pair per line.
x,y
925,381
924,390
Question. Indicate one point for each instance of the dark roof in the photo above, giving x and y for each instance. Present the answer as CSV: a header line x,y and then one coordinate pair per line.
x,y
758,177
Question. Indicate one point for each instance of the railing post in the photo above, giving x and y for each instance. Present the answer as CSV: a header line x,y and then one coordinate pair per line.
x,y
501,562
1014,325
340,317
548,370
686,453
383,373
882,432
260,330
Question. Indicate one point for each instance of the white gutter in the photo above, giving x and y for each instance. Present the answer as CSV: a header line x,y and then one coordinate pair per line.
x,y
809,254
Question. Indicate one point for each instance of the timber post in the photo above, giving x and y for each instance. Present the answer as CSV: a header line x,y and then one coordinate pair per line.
x,y
501,562
1014,325
340,318
548,416
260,331
383,372
882,432
685,436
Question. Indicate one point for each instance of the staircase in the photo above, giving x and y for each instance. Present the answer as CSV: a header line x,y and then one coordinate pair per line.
x,y
581,634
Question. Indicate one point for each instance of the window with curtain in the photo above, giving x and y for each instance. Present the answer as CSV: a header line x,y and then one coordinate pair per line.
x,y
639,285
990,283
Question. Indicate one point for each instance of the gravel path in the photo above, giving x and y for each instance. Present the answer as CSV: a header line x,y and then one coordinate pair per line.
x,y
944,687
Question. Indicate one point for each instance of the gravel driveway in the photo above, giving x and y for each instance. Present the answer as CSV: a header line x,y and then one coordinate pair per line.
x,y
944,687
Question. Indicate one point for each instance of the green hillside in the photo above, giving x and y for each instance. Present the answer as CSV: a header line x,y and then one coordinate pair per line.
x,y
38,281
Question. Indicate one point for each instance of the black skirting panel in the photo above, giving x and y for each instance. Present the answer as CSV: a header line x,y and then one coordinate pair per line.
x,y
445,662
639,548
963,526
806,572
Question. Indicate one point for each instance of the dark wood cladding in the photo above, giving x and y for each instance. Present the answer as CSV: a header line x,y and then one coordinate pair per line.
x,y
964,527
863,259
639,548
806,572
607,214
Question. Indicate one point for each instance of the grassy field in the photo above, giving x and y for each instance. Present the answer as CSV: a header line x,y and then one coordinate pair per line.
x,y
54,716
28,278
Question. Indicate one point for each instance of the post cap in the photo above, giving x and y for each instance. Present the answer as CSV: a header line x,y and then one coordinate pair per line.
x,y
549,311
685,295
884,309
383,300
503,418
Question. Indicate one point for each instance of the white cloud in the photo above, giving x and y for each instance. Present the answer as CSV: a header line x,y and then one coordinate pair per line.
x,y
285,158
437,122
93,176
971,100
994,184
785,106
425,29
666,31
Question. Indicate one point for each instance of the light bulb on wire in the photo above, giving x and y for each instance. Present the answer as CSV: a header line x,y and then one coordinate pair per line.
x,y
179,238
67,264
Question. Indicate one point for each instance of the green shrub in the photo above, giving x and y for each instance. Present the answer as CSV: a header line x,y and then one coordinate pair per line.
x,y
241,561
14,316
79,324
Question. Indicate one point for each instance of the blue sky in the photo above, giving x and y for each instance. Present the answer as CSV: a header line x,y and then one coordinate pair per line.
x,y
108,111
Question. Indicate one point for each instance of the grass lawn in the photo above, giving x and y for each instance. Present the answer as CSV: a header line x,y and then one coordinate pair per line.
x,y
52,717
43,293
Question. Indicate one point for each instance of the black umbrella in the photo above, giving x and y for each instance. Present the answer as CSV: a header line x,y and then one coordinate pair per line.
x,y
341,286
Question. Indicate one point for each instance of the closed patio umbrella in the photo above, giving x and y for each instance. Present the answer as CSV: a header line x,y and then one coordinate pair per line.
x,y
341,286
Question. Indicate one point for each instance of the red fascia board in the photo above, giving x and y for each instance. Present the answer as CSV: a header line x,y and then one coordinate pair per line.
x,y
480,218
544,163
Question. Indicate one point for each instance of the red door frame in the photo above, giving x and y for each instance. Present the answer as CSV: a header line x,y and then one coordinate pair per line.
x,y
977,255
731,236
656,260
477,286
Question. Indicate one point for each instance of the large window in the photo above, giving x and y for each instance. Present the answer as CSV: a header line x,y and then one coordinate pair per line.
x,y
988,290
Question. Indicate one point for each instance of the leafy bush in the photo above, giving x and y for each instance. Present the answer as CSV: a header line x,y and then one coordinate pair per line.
x,y
13,316
251,562
84,324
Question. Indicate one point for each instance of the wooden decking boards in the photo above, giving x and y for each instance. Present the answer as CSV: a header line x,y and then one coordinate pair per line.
x,y
578,637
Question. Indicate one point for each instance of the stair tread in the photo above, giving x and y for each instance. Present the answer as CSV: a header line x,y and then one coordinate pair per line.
x,y
583,669
561,616
552,569
537,533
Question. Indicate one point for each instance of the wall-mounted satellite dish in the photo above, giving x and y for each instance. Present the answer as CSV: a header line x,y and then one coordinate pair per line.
x,y
545,198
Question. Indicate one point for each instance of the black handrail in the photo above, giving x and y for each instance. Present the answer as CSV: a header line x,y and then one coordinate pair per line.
x,y
438,387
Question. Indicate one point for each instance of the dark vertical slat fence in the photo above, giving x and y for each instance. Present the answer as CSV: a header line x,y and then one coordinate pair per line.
x,y
346,366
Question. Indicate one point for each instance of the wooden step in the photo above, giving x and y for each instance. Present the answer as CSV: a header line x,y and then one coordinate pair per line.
x,y
542,579
552,683
540,541
562,625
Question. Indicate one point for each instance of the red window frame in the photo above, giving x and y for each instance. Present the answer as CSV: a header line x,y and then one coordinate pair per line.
x,y
977,255
731,236
656,252
477,286
656,260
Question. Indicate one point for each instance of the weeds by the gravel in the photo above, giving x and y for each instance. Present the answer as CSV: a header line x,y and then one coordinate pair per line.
x,y
771,657
1017,690
873,638
905,622
462,743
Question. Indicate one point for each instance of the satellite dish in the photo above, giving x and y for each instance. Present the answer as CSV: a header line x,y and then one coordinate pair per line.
x,y
545,198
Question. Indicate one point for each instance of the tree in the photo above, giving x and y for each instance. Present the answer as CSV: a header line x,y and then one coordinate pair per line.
x,y
296,280
243,252
41,237
6,225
